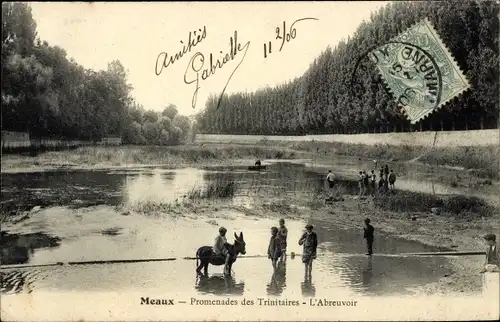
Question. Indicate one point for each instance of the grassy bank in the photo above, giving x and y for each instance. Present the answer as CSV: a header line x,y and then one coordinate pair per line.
x,y
480,162
145,155
450,206
483,161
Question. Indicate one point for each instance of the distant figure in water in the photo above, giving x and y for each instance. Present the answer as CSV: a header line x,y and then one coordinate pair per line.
x,y
274,249
258,163
331,182
368,235
392,179
309,241
283,234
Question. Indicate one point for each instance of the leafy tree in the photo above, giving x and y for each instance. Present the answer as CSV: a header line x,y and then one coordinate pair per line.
x,y
150,116
170,111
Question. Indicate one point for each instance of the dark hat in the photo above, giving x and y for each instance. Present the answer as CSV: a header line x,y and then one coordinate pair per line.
x,y
309,226
367,220
222,229
491,237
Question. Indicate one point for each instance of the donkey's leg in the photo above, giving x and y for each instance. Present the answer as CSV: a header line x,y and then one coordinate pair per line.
x,y
205,268
198,269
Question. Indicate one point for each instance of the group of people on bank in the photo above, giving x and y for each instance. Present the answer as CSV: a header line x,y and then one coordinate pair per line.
x,y
368,182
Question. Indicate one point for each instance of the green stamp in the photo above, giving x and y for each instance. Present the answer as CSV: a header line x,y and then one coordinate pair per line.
x,y
419,71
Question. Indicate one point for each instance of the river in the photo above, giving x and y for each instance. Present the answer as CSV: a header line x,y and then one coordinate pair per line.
x,y
78,216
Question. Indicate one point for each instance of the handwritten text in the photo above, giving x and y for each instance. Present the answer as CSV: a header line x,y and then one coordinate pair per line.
x,y
284,35
165,61
197,66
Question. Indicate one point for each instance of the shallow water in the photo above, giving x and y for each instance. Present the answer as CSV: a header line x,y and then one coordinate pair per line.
x,y
79,221
85,236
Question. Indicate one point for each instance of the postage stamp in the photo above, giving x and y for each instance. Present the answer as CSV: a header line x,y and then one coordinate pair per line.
x,y
419,71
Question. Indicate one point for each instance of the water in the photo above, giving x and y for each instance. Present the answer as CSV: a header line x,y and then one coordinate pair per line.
x,y
81,220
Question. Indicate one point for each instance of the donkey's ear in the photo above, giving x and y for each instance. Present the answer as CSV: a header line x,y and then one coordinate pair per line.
x,y
241,235
235,236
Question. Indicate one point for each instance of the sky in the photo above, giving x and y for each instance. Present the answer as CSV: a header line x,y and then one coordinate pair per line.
x,y
141,35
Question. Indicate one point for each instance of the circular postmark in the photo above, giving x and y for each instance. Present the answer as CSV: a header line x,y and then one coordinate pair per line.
x,y
410,71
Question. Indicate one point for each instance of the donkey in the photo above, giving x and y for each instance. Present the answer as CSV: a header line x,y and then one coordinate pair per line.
x,y
205,255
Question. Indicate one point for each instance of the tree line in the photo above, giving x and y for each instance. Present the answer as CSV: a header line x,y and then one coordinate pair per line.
x,y
323,100
48,95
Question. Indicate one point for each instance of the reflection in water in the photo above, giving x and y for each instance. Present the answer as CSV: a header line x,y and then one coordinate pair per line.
x,y
367,273
307,286
219,285
23,191
278,280
18,281
17,249
379,275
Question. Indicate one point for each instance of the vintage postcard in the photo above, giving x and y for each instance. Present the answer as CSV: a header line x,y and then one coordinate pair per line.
x,y
250,161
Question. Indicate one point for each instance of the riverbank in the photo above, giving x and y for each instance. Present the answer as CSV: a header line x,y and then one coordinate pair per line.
x,y
445,231
459,166
457,231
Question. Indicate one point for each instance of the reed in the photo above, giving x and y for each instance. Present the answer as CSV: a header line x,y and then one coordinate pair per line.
x,y
458,206
217,189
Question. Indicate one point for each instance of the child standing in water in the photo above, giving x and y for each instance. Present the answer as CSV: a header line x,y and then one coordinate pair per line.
x,y
368,235
274,249
309,240
282,234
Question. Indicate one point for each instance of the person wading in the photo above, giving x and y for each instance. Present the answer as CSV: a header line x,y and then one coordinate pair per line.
x,y
309,241
274,248
283,234
330,179
368,235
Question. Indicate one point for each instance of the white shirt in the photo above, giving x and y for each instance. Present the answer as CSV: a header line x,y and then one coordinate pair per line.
x,y
219,244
